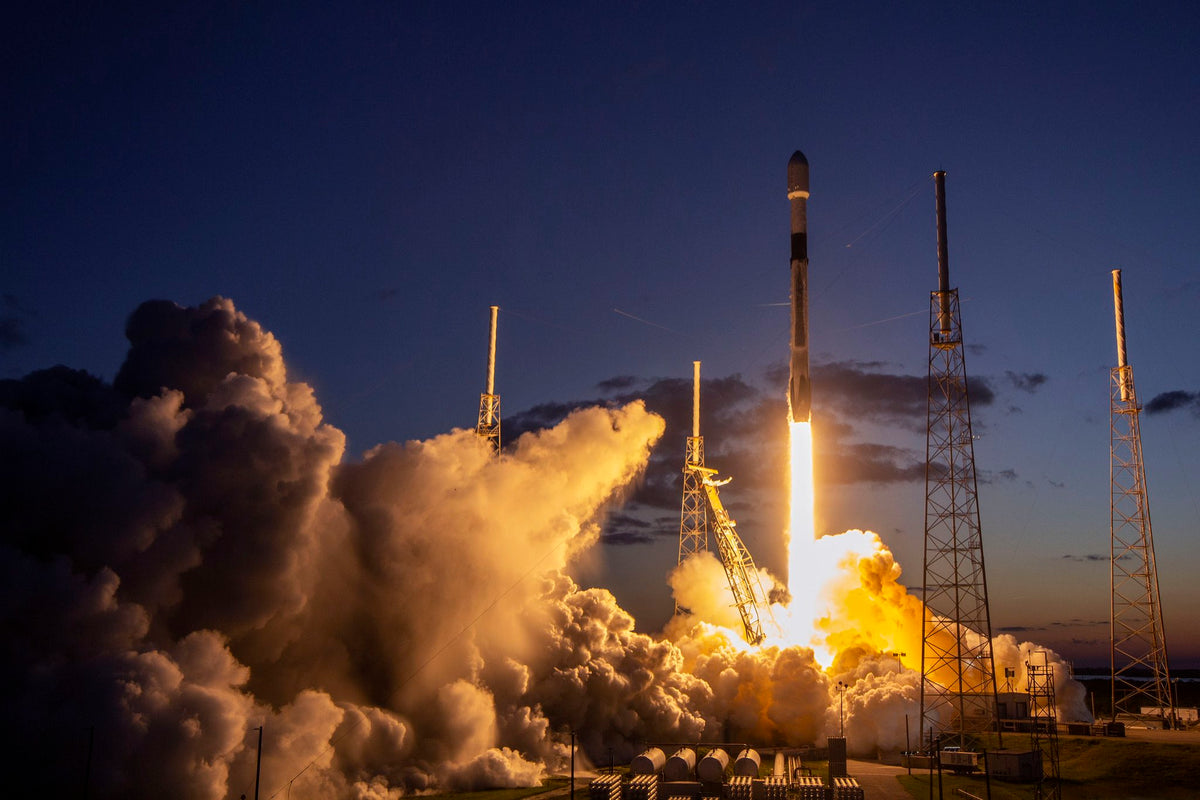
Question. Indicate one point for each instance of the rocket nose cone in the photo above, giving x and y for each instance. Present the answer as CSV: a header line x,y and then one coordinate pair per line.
x,y
797,173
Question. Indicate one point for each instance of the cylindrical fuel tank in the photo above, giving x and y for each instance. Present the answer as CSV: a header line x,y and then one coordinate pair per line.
x,y
648,763
681,765
711,768
747,763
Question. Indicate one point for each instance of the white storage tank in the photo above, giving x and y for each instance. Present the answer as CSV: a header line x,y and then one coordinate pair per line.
x,y
711,768
648,763
681,765
747,763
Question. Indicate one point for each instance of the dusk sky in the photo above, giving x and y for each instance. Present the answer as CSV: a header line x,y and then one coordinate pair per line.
x,y
365,179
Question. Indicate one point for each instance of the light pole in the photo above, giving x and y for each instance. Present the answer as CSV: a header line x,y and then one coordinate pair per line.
x,y
841,715
898,656
907,746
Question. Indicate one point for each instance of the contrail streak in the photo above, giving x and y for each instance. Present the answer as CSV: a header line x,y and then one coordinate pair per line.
x,y
645,321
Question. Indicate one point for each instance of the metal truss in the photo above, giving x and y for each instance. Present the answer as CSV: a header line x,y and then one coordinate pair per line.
x,y
693,515
1044,731
958,687
748,594
489,419
1140,675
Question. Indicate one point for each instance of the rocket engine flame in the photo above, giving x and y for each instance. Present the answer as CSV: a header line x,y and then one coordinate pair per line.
x,y
184,556
805,572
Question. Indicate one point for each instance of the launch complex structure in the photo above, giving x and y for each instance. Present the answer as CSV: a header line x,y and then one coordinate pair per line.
x,y
488,426
1141,679
958,676
958,686
702,504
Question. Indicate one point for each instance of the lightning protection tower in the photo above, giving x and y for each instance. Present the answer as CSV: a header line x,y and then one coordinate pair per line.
x,y
693,517
488,426
1140,676
958,687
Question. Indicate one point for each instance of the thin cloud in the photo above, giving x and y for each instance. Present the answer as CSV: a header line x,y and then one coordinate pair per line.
x,y
860,390
1026,381
1172,400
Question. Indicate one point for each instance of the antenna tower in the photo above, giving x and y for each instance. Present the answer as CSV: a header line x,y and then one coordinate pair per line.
x,y
1044,718
693,517
958,687
1138,655
488,426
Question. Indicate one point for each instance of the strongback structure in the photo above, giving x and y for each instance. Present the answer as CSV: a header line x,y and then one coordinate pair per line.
x,y
488,426
748,594
702,506
1140,676
693,517
958,687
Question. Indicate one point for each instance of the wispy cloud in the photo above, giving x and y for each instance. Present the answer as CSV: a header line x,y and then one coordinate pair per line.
x,y
1172,400
1026,381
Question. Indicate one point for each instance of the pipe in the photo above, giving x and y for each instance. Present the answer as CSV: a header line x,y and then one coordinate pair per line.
x,y
939,182
491,362
1119,313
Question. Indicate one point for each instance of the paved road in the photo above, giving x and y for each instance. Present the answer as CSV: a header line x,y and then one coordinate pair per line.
x,y
878,780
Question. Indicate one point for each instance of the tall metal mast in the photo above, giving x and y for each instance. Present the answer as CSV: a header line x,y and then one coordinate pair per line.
x,y
1138,655
693,517
958,687
489,402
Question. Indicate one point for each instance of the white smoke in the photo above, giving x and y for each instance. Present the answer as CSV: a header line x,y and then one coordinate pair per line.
x,y
186,557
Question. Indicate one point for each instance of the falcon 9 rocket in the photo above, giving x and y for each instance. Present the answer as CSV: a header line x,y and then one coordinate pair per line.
x,y
799,386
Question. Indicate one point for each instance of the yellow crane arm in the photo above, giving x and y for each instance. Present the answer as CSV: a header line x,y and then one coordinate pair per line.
x,y
739,566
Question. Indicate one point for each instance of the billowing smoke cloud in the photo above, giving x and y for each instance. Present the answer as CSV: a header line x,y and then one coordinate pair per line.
x,y
186,557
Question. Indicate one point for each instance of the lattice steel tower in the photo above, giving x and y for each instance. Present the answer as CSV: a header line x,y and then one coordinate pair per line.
x,y
693,517
488,426
1140,676
1044,730
958,687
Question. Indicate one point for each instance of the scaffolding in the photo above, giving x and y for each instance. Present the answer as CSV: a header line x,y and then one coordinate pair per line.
x,y
958,686
693,516
1140,674
1044,730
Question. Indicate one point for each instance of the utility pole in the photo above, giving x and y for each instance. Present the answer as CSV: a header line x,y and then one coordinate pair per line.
x,y
258,763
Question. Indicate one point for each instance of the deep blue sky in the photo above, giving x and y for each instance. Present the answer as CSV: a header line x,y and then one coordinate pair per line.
x,y
364,179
